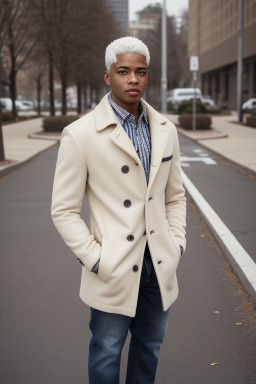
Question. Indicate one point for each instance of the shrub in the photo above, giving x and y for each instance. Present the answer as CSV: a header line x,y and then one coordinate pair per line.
x,y
7,116
57,123
202,121
187,107
213,109
251,121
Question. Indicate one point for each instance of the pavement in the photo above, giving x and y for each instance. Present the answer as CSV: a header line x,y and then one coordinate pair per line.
x,y
235,142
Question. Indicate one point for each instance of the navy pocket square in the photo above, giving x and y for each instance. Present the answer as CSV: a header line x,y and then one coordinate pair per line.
x,y
167,158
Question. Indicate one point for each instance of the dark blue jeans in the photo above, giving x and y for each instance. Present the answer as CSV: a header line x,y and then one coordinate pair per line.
x,y
147,328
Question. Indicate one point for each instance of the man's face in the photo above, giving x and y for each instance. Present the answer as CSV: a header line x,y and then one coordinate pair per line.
x,y
128,79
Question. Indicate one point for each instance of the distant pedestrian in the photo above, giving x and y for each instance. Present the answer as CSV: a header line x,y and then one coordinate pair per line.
x,y
124,156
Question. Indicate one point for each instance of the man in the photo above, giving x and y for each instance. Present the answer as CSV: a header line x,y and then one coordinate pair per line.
x,y
125,157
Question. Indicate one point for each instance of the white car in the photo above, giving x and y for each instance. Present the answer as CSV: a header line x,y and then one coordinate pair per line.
x,y
249,105
177,95
27,105
6,103
208,101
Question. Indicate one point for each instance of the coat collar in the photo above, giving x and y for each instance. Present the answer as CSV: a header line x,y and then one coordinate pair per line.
x,y
159,132
106,117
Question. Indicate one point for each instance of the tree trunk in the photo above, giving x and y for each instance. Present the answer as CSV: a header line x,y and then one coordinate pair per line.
x,y
63,95
2,157
12,78
79,98
51,85
39,88
85,96
12,87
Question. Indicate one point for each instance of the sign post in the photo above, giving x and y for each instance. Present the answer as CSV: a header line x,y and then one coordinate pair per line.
x,y
194,67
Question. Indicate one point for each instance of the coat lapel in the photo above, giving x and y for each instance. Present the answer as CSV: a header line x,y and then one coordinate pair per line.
x,y
105,117
159,133
121,139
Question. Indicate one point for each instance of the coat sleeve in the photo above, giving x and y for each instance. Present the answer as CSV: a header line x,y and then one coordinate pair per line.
x,y
67,198
175,200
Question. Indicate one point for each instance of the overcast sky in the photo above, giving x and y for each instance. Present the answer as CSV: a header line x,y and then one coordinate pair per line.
x,y
174,7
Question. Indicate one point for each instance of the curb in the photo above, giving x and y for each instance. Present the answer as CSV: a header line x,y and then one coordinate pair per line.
x,y
217,136
40,137
240,261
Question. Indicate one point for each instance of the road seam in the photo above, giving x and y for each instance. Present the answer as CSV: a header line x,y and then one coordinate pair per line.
x,y
240,260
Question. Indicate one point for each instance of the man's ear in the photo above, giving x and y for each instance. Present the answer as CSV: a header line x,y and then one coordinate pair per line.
x,y
107,78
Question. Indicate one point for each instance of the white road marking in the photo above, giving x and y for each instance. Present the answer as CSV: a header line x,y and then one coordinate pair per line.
x,y
206,160
240,260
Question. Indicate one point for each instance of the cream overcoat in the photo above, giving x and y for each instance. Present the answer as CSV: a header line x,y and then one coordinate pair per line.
x,y
97,158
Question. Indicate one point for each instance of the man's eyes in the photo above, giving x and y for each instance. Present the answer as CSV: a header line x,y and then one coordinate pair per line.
x,y
140,73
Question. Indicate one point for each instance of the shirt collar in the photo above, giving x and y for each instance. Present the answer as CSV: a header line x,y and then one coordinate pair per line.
x,y
123,115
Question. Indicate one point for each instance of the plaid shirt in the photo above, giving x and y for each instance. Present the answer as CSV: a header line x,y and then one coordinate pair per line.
x,y
139,135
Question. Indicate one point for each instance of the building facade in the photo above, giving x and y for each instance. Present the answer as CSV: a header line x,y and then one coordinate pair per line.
x,y
119,9
213,36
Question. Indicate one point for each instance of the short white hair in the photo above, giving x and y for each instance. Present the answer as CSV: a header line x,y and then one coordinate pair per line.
x,y
127,44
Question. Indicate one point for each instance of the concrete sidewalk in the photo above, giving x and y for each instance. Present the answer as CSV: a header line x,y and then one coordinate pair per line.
x,y
18,147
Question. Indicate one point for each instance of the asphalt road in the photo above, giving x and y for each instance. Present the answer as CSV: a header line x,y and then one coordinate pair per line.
x,y
44,325
228,188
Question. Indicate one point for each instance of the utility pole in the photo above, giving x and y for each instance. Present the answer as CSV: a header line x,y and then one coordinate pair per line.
x,y
164,60
240,60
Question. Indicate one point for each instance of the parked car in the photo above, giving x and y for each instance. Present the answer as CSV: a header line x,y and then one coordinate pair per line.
x,y
6,103
208,101
27,105
177,95
249,105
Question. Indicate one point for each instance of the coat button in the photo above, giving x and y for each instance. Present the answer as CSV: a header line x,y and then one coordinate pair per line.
x,y
125,169
130,237
127,203
151,198
135,268
152,232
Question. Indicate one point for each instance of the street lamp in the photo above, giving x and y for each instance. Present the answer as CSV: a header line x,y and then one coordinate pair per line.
x,y
164,60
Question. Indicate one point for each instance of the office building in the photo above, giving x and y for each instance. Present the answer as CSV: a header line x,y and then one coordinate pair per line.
x,y
213,37
119,9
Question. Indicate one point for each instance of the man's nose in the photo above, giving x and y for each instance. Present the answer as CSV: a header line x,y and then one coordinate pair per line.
x,y
133,79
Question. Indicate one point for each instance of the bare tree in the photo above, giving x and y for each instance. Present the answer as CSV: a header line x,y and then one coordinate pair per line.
x,y
18,45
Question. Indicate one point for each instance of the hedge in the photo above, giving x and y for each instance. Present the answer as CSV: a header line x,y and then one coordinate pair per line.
x,y
202,121
251,121
7,116
57,123
187,107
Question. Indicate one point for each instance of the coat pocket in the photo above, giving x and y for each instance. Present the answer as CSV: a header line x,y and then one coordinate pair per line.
x,y
174,239
103,266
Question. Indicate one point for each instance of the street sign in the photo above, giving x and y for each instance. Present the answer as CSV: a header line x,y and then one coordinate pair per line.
x,y
194,63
